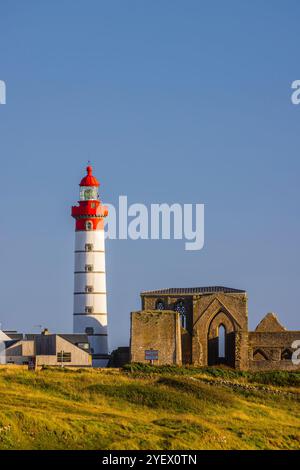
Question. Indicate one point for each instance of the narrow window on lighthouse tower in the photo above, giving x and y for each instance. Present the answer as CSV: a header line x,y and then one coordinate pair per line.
x,y
89,289
88,225
89,268
88,247
89,309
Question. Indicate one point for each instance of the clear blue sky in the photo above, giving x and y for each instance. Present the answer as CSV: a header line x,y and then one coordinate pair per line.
x,y
172,101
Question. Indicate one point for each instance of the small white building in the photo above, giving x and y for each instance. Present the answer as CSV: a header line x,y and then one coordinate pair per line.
x,y
48,349
3,339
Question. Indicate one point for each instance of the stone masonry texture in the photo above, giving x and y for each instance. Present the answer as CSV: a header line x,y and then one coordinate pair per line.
x,y
183,326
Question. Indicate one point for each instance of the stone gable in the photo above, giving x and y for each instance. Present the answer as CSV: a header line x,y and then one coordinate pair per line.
x,y
270,323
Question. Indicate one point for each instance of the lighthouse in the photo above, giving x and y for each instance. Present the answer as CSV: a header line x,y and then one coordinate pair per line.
x,y
90,303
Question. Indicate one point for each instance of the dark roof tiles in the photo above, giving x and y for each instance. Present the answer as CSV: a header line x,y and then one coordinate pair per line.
x,y
194,290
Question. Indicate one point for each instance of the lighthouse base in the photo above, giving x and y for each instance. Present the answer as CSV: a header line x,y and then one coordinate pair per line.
x,y
95,327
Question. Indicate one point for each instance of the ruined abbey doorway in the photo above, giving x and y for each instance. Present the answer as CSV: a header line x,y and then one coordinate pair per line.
x,y
221,341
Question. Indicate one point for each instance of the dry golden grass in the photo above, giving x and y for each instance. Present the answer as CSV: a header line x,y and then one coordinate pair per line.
x,y
90,409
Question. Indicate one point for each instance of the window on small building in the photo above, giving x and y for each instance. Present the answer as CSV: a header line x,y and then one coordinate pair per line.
x,y
221,341
63,356
180,308
159,304
83,345
89,309
89,289
88,247
89,330
89,268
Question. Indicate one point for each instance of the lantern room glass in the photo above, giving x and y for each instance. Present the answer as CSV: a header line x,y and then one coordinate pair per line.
x,y
88,193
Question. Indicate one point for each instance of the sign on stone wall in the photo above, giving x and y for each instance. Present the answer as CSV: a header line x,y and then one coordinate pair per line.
x,y
151,355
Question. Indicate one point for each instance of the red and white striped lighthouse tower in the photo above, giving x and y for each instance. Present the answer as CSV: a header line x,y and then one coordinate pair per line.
x,y
90,305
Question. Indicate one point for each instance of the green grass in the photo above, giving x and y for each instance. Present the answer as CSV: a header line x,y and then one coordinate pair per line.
x,y
277,378
148,408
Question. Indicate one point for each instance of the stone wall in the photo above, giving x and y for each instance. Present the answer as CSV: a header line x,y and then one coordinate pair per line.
x,y
241,350
186,346
159,330
209,312
269,347
272,350
169,301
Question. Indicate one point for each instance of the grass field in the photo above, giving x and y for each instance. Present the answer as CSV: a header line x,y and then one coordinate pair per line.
x,y
142,408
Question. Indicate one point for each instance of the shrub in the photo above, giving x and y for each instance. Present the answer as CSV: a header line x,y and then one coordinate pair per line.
x,y
277,378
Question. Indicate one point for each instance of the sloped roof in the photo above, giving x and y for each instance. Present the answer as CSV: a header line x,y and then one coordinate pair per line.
x,y
71,337
16,342
74,338
4,337
270,324
194,290
14,335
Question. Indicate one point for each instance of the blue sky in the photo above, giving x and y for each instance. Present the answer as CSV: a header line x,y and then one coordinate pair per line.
x,y
172,101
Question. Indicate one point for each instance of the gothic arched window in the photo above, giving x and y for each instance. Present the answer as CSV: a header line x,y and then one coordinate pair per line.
x,y
180,308
221,341
159,304
260,355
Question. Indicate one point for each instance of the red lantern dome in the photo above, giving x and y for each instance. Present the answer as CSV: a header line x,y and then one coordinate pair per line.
x,y
90,212
89,179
